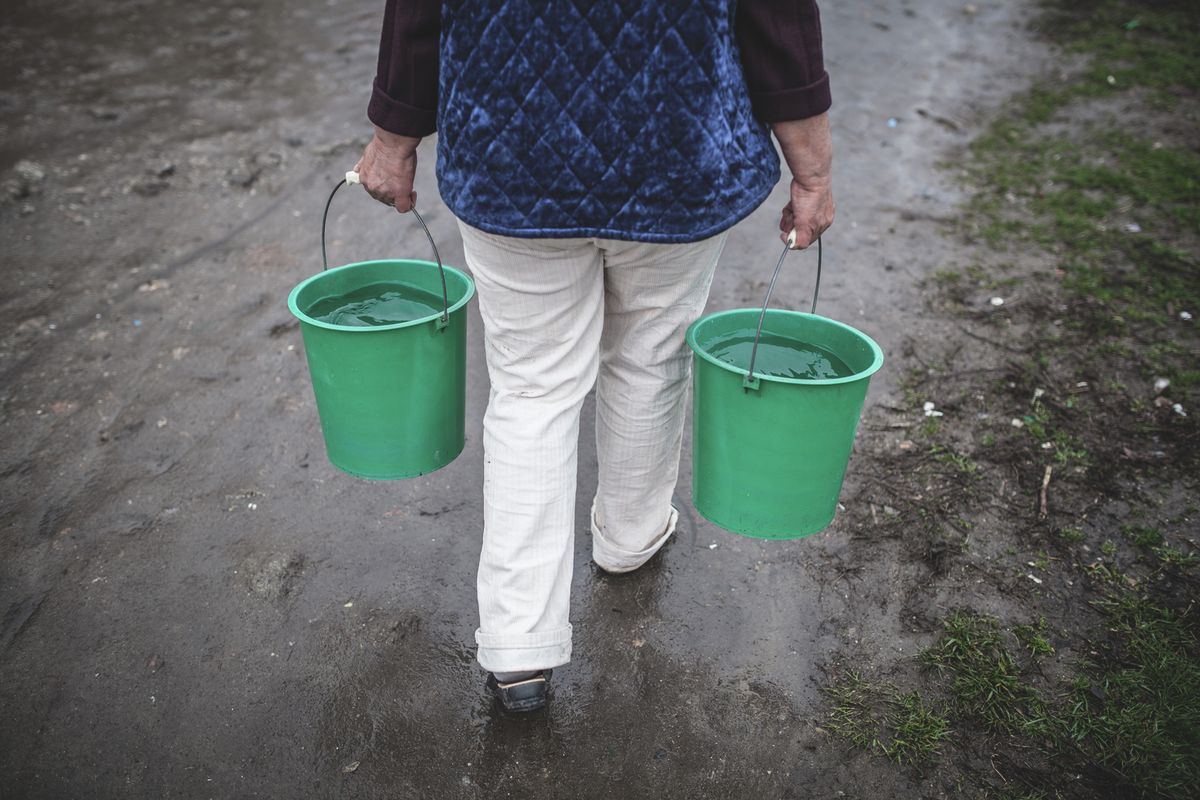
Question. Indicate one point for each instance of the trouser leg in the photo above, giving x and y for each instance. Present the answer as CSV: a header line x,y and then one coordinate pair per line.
x,y
652,293
542,306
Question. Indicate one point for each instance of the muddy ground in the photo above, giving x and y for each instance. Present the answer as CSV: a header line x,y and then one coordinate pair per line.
x,y
196,604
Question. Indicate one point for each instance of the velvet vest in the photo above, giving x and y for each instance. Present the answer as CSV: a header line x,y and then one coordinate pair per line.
x,y
623,119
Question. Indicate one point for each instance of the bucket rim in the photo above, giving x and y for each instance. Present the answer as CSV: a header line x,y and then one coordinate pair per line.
x,y
412,323
876,351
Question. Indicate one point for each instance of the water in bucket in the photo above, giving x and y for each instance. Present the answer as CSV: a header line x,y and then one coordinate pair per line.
x,y
376,304
779,356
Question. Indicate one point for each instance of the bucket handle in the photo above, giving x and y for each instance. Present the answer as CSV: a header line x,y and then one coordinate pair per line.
x,y
352,178
751,381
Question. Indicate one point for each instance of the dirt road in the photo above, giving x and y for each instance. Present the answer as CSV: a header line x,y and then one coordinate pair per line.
x,y
195,604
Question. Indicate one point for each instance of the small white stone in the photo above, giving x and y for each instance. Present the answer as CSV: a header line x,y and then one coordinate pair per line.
x,y
997,301
1160,385
30,172
1178,409
1016,423
1186,316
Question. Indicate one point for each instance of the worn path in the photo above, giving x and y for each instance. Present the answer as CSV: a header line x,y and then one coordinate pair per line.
x,y
195,604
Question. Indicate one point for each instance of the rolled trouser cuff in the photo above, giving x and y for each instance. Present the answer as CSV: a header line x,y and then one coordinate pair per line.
x,y
611,558
521,652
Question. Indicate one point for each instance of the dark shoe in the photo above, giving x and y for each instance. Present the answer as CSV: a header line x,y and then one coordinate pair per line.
x,y
524,695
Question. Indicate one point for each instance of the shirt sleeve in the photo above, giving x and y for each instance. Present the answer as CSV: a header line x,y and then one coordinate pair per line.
x,y
404,97
780,44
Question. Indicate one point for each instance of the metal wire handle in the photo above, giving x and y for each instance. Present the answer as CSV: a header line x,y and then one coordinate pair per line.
x,y
352,178
751,382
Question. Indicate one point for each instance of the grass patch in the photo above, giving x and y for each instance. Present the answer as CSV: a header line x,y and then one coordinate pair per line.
x,y
1109,194
1129,715
1073,535
1176,558
985,679
1153,541
1033,638
1066,448
882,719
1142,536
1135,711
961,464
1116,206
1149,44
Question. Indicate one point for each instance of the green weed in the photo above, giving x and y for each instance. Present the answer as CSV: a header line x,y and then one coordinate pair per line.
x,y
1142,536
1033,638
961,463
986,680
882,719
852,714
1175,557
1072,535
917,730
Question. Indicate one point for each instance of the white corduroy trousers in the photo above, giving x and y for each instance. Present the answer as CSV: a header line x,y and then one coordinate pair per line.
x,y
559,316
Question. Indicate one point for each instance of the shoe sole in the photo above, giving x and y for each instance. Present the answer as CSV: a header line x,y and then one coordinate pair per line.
x,y
524,705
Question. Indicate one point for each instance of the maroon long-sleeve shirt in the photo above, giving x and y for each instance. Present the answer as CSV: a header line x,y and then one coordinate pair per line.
x,y
779,42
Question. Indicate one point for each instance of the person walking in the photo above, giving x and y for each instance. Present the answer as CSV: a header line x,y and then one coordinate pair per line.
x,y
595,155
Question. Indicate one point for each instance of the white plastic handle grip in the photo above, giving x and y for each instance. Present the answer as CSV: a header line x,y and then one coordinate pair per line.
x,y
791,242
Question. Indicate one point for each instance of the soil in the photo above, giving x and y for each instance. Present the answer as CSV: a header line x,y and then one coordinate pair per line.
x,y
196,604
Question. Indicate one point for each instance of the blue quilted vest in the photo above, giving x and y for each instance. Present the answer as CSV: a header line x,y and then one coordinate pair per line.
x,y
623,119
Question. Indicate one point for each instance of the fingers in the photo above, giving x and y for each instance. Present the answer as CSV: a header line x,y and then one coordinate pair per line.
x,y
810,213
388,194
387,177
805,234
386,199
404,205
786,223
804,238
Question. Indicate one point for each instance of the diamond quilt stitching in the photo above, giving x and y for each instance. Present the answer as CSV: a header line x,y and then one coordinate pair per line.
x,y
618,118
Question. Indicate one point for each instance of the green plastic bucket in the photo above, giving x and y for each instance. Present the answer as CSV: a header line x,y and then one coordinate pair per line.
x,y
769,453
391,398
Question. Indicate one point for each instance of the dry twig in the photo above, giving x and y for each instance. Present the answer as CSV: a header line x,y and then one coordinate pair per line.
x,y
1042,510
